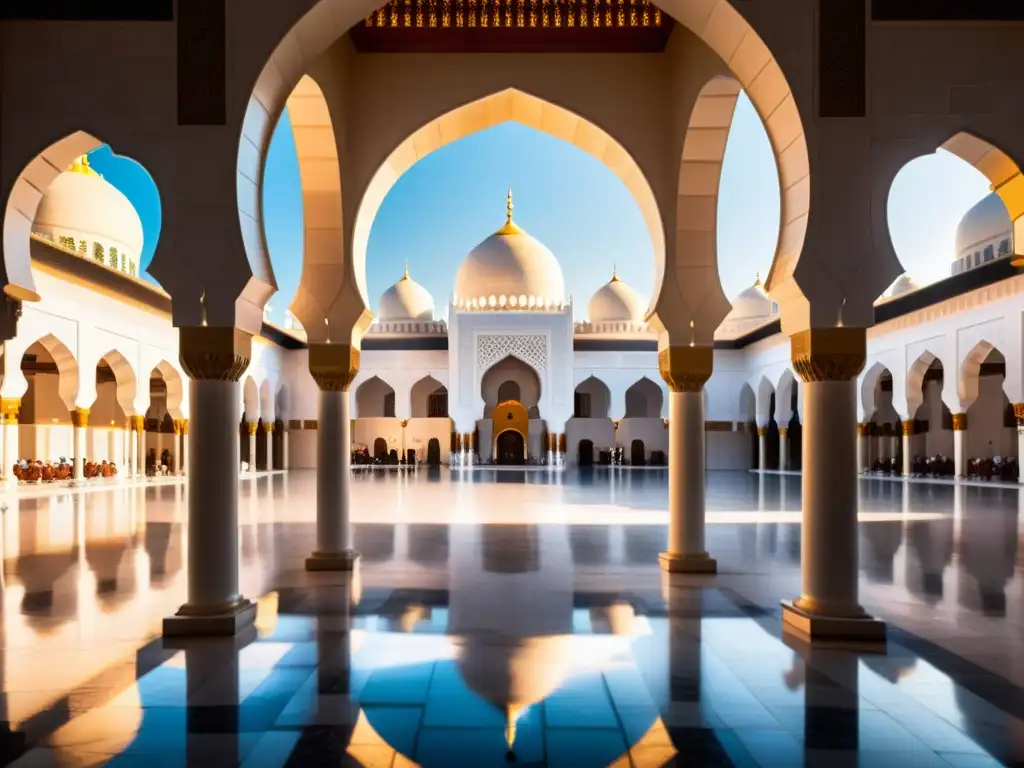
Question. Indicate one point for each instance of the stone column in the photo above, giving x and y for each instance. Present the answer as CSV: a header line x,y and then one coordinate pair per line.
x,y
762,447
883,442
552,448
863,447
457,449
80,421
9,407
783,448
184,447
333,367
908,457
1018,412
174,469
214,358
685,369
268,430
828,361
285,436
959,449
251,459
467,448
137,457
562,446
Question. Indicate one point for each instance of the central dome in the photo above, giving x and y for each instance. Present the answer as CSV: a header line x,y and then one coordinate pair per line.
x,y
510,263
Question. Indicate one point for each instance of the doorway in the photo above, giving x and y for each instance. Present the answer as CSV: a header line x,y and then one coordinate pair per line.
x,y
434,452
380,449
510,447
637,454
586,453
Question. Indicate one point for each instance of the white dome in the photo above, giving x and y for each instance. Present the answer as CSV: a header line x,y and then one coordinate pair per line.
x,y
750,303
985,222
903,284
79,204
406,300
615,301
510,263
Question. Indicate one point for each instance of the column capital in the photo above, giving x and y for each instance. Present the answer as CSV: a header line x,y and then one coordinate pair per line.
x,y
137,422
1018,412
908,427
686,369
829,354
177,426
864,428
268,427
9,407
184,426
252,426
783,431
562,444
214,353
960,420
80,417
333,366
762,431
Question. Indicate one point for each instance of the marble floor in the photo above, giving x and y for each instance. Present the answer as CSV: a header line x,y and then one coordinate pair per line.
x,y
510,618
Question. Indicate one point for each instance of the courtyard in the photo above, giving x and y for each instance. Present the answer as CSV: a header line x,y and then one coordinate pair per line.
x,y
501,615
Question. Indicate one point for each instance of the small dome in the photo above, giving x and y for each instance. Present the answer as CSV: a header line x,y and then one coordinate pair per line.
x,y
80,204
750,303
615,301
903,284
987,221
406,300
510,263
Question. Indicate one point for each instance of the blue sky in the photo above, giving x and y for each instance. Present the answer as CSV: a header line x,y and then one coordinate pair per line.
x,y
455,197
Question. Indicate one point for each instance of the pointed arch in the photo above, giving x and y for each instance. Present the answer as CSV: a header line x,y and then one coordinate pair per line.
x,y
125,381
509,105
765,391
282,403
266,401
869,388
599,397
970,371
748,404
644,399
175,390
251,399
915,380
67,367
373,398
420,393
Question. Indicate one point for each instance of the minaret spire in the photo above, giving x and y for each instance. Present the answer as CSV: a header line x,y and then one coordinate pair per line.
x,y
509,206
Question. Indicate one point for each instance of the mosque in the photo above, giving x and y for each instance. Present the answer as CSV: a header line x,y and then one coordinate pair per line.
x,y
93,376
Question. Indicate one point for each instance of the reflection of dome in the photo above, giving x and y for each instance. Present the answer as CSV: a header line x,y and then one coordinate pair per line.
x,y
616,302
406,300
510,263
80,206
986,222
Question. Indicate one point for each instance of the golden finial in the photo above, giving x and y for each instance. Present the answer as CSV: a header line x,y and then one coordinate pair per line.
x,y
510,227
757,281
615,273
406,275
81,165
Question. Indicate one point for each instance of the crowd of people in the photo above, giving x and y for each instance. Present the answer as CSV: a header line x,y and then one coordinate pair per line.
x,y
36,471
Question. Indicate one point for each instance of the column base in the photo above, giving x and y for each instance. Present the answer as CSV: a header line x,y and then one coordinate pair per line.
x,y
688,563
189,621
332,561
816,627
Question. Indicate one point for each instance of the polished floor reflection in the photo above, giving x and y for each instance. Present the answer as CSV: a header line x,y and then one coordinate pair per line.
x,y
511,618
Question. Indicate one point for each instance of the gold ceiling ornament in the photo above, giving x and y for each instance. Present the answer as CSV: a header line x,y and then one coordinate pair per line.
x,y
515,14
686,369
333,366
211,353
829,354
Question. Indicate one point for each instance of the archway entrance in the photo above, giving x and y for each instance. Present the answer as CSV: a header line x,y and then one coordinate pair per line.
x,y
586,453
637,454
380,448
434,452
510,448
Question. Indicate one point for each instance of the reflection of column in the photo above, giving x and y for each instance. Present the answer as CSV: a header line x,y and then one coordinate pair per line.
x,y
184,447
552,447
1018,412
908,433
828,360
456,447
214,359
959,435
333,367
562,446
80,421
783,448
831,712
467,447
334,638
762,446
135,460
251,427
9,407
685,369
863,447
268,429
142,445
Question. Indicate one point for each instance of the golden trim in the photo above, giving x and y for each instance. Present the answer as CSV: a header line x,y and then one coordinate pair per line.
x,y
333,366
137,422
686,369
295,424
214,353
9,407
714,426
177,426
1018,412
864,429
762,431
268,427
959,422
908,427
184,426
80,418
252,426
309,424
783,431
829,354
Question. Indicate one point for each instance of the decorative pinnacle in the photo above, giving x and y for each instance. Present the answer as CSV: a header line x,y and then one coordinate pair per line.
x,y
615,273
757,281
406,275
509,206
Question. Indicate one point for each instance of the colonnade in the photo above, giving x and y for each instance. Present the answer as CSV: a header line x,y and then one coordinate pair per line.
x,y
269,430
133,443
